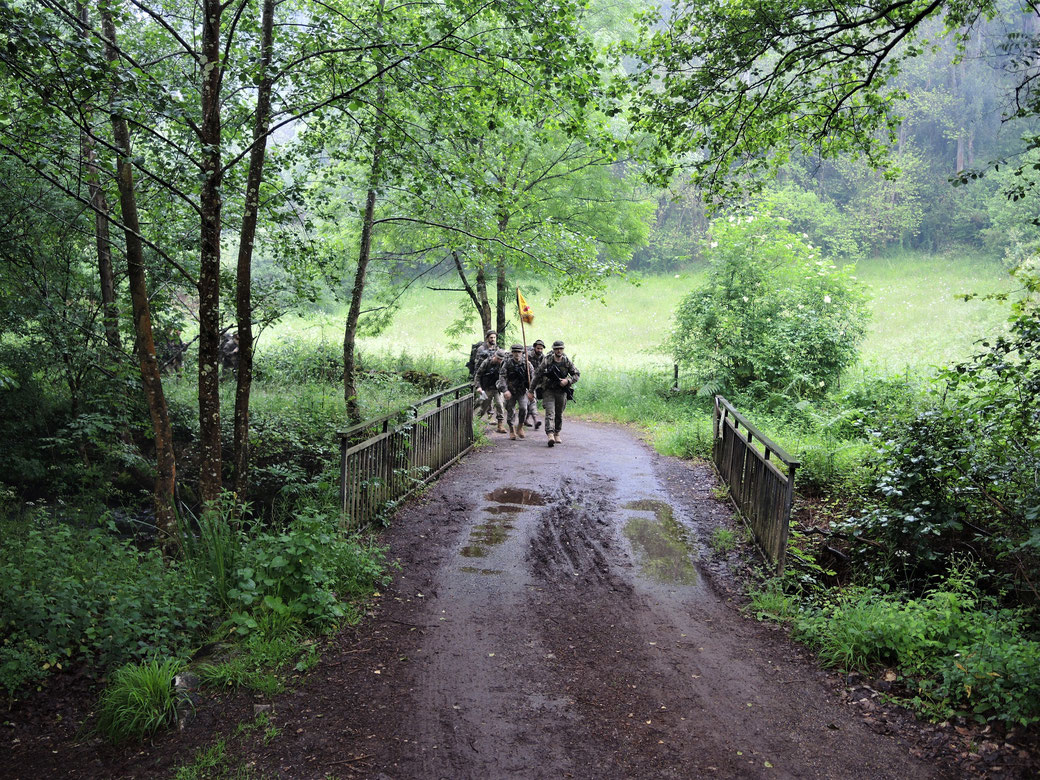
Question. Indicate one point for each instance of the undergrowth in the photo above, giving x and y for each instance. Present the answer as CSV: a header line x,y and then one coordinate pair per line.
x,y
957,650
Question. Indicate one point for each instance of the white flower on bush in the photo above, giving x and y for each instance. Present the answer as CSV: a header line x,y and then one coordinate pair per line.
x,y
713,244
745,299
826,299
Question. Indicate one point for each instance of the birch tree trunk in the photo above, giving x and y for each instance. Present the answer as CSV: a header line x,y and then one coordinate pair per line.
x,y
244,280
210,204
166,466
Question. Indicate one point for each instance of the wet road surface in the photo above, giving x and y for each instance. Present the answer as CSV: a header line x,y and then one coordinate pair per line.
x,y
553,618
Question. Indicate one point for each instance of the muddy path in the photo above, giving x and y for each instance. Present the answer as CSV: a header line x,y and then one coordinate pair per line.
x,y
551,620
556,615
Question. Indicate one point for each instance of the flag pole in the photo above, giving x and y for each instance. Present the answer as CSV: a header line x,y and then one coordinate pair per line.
x,y
523,337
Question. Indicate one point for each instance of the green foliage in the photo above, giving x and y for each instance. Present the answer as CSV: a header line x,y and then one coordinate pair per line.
x,y
771,603
302,574
825,225
140,699
296,362
772,315
960,653
723,540
211,546
262,661
957,474
885,211
212,763
69,596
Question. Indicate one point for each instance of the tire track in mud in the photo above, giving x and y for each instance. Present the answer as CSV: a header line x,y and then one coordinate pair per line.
x,y
552,619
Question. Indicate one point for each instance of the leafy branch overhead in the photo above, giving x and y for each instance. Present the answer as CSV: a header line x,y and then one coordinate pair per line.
x,y
733,89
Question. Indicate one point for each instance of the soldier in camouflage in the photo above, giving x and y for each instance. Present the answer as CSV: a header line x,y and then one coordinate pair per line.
x,y
514,382
481,351
485,385
535,354
554,378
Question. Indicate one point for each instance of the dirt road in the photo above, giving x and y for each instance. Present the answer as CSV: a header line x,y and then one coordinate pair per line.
x,y
552,620
556,616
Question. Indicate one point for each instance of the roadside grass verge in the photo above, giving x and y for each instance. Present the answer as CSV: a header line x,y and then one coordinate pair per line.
x,y
957,653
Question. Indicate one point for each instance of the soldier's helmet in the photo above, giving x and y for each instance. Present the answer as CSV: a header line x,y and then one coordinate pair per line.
x,y
517,348
501,354
557,343
539,343
490,333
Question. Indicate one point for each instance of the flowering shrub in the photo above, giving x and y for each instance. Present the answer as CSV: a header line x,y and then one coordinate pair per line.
x,y
772,315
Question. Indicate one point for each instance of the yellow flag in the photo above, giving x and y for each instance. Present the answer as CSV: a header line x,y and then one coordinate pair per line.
x,y
525,311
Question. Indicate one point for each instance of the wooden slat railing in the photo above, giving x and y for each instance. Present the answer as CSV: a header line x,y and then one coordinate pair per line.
x,y
399,457
761,491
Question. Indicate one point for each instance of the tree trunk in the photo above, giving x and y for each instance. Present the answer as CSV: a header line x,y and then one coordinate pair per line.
x,y
106,275
166,466
210,203
350,392
484,306
244,280
501,296
500,284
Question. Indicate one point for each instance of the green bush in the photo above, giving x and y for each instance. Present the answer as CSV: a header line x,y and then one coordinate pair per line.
x,y
772,313
299,362
69,595
958,651
140,699
304,572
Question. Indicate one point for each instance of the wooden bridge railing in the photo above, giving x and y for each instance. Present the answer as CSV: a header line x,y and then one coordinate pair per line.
x,y
761,490
399,457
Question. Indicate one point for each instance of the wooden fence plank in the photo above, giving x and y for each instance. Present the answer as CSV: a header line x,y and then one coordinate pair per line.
x,y
760,490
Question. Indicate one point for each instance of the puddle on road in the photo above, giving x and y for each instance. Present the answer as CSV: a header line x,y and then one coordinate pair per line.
x,y
662,548
475,570
512,495
488,534
496,528
505,509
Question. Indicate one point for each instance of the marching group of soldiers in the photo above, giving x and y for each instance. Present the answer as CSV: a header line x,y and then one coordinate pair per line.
x,y
512,382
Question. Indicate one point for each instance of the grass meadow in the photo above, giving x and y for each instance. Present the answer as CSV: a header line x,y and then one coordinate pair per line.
x,y
918,321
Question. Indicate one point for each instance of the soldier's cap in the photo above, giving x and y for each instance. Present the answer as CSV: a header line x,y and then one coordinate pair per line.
x,y
557,343
501,353
488,333
539,342
517,348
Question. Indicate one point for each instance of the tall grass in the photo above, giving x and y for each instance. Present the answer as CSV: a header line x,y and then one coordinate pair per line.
x,y
140,700
918,321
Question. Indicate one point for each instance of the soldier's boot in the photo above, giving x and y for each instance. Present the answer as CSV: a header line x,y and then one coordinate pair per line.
x,y
520,431
551,440
512,433
556,438
501,427
537,424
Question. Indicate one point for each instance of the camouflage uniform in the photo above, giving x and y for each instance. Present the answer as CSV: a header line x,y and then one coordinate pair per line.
x,y
515,376
486,379
170,350
480,352
554,395
228,354
532,405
